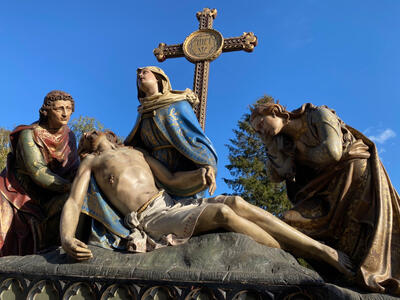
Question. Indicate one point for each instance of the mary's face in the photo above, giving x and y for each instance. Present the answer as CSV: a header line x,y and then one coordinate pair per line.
x,y
267,125
146,80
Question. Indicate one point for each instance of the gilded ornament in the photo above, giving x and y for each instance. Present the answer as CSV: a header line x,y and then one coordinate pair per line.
x,y
203,44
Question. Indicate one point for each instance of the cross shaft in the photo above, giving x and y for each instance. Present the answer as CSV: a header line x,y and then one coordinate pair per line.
x,y
246,42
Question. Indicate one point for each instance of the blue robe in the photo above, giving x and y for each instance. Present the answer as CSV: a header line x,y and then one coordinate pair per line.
x,y
174,137
107,225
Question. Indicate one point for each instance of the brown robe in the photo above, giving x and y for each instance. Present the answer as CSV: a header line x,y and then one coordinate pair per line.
x,y
351,205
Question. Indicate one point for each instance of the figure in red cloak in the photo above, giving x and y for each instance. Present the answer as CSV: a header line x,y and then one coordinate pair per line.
x,y
35,184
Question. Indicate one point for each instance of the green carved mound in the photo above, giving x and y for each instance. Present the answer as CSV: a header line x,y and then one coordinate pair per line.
x,y
221,260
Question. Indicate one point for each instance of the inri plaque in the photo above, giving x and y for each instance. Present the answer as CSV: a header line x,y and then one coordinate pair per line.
x,y
203,44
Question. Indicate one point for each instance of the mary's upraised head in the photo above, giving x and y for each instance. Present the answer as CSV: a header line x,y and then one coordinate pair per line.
x,y
163,82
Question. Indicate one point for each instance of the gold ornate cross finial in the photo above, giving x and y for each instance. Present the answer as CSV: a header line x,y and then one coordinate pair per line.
x,y
201,47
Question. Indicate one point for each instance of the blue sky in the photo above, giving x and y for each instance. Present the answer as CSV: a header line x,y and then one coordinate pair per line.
x,y
344,54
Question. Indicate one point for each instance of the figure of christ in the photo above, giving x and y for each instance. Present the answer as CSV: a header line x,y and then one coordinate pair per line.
x,y
125,175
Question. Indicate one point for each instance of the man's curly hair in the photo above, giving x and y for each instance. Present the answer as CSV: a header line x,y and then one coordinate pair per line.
x,y
52,96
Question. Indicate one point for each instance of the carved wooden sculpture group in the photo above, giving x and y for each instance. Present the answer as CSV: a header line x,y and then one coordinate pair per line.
x,y
148,193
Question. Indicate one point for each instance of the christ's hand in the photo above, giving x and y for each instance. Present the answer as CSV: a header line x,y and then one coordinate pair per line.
x,y
210,178
77,249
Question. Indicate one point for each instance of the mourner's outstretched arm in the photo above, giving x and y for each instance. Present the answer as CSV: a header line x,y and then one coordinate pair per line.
x,y
199,178
72,210
36,167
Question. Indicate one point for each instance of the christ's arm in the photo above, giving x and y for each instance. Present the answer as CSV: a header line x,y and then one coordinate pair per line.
x,y
198,179
71,211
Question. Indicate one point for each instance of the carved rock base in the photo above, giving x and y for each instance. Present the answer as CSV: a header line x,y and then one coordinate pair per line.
x,y
214,266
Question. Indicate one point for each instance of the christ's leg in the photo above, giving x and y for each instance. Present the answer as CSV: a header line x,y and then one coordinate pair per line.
x,y
290,238
219,215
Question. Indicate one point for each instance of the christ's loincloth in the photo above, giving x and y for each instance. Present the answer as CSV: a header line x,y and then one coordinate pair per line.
x,y
165,222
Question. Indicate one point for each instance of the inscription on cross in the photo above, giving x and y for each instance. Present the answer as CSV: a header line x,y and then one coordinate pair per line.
x,y
201,47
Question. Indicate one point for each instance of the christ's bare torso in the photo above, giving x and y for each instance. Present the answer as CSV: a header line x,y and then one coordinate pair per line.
x,y
124,177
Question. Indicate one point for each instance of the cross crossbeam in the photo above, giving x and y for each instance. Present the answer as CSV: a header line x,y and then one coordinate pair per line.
x,y
200,48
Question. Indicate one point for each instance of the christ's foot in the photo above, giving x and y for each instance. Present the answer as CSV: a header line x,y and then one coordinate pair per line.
x,y
340,261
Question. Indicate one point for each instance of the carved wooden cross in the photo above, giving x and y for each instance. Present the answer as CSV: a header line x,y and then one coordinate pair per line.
x,y
201,47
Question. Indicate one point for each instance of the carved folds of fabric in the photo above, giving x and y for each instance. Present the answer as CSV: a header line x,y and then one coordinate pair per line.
x,y
350,205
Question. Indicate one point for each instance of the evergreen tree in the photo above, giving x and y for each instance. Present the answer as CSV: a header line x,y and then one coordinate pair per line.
x,y
247,157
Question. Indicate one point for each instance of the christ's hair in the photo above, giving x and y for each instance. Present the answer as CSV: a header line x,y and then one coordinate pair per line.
x,y
88,145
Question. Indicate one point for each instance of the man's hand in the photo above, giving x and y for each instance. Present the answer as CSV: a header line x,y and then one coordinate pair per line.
x,y
210,178
77,249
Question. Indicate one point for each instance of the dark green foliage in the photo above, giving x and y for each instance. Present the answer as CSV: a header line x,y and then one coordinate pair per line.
x,y
4,146
247,157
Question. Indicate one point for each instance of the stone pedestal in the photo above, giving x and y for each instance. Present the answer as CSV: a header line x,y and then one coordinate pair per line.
x,y
212,266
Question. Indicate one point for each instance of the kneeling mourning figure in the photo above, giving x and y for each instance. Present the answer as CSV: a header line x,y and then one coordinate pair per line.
x,y
38,176
341,192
